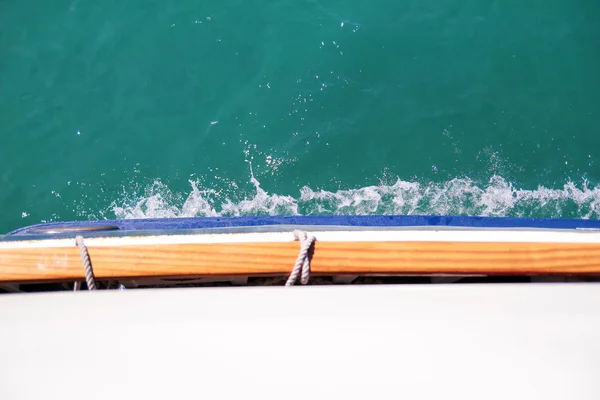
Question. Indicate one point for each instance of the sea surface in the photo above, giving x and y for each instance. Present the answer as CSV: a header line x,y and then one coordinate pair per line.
x,y
140,108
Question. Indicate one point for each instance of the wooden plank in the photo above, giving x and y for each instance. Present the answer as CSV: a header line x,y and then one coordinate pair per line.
x,y
330,258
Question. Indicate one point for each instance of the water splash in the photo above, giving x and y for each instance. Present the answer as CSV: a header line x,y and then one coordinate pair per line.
x,y
459,196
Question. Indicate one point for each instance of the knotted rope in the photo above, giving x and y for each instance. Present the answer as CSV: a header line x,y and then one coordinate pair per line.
x,y
302,265
87,265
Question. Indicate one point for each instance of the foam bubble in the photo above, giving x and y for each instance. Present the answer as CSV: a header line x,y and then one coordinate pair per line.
x,y
459,196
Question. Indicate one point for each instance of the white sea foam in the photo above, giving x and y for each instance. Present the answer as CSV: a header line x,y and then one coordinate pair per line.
x,y
460,196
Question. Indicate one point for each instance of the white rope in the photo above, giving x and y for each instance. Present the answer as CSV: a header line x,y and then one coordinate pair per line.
x,y
302,266
87,264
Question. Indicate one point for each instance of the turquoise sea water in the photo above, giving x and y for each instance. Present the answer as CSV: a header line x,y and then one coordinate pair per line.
x,y
122,109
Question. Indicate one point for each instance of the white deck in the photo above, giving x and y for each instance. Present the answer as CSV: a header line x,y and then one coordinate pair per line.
x,y
530,341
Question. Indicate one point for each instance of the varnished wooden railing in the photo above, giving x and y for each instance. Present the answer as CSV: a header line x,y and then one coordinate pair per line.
x,y
58,263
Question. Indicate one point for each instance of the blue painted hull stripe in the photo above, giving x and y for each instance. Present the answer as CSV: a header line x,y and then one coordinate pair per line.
x,y
358,221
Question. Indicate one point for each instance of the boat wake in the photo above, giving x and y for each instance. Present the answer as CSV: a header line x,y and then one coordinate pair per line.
x,y
459,196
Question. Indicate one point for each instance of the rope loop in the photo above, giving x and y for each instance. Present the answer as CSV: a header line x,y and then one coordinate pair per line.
x,y
302,266
87,265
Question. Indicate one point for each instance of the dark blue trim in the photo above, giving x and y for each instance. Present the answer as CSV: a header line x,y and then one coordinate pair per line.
x,y
392,220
